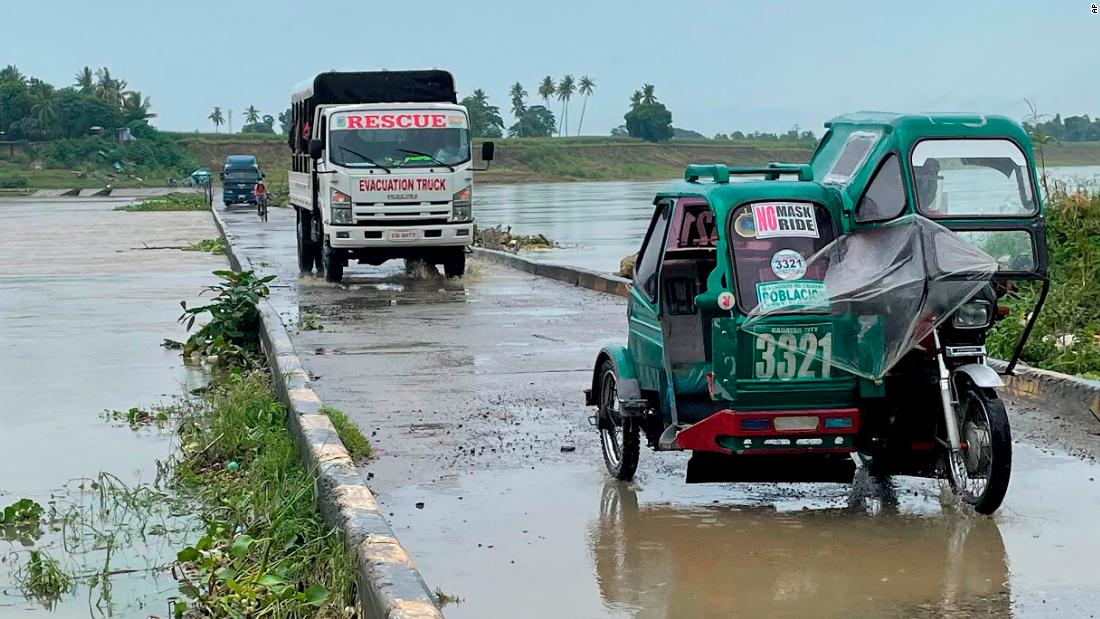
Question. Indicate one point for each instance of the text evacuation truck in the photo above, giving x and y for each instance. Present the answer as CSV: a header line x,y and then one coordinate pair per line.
x,y
381,169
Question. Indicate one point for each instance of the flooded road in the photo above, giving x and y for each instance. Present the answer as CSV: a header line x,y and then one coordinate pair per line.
x,y
470,392
598,224
83,311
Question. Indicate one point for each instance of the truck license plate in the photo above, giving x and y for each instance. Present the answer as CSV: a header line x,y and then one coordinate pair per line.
x,y
403,235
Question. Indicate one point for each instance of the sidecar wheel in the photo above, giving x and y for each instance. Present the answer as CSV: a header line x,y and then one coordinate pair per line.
x,y
981,478
619,437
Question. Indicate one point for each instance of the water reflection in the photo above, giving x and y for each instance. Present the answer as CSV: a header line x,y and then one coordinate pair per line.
x,y
672,561
599,223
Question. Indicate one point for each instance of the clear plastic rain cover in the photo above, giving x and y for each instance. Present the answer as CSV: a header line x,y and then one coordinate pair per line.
x,y
884,290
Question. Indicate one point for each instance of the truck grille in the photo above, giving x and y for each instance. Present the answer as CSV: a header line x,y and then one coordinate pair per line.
x,y
401,213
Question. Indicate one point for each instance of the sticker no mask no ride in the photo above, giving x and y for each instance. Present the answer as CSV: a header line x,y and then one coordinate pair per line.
x,y
784,219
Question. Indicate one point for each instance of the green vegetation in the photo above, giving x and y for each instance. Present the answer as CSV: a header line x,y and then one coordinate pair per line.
x,y
42,579
232,334
648,118
170,202
96,129
485,120
265,550
213,246
358,446
1066,337
21,512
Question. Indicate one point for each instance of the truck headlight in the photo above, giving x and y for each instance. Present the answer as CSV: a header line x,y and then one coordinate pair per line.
x,y
972,315
463,205
341,207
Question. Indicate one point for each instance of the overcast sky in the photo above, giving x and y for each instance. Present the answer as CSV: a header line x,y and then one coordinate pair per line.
x,y
719,66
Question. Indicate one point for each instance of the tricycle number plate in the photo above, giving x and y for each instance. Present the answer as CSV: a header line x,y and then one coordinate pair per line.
x,y
787,353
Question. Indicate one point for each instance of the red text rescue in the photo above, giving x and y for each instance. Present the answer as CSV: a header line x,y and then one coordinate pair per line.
x,y
399,121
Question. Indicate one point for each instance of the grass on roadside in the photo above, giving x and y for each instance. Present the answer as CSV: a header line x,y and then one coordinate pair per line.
x,y
358,446
170,202
213,246
266,550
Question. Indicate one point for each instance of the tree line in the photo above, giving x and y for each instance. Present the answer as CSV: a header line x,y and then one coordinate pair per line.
x,y
32,109
1069,129
255,122
531,121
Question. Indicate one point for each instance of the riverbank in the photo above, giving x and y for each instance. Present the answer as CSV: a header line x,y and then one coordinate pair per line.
x,y
519,160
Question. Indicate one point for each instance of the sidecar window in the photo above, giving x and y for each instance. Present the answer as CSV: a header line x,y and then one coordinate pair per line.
x,y
884,198
774,244
645,269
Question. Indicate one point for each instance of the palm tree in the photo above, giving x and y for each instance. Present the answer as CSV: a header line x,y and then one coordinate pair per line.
x,y
518,104
635,99
565,92
251,114
45,112
648,97
11,73
107,87
585,88
216,118
136,107
85,80
546,90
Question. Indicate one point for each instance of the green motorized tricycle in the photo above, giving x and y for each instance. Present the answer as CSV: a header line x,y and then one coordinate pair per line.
x,y
792,322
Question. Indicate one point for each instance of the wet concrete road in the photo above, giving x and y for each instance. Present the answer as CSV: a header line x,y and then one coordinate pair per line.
x,y
492,478
84,308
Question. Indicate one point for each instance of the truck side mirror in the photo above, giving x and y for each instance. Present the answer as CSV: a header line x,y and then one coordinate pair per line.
x,y
487,150
316,148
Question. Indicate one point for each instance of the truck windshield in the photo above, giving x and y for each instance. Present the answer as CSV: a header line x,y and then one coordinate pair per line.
x,y
390,147
972,178
242,175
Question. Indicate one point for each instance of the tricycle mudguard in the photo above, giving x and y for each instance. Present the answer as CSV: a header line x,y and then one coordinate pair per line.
x,y
625,374
981,375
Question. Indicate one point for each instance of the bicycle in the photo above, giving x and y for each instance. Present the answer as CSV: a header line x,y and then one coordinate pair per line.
x,y
261,206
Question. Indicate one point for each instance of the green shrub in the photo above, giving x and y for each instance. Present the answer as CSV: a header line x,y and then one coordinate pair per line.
x,y
232,334
1065,337
14,182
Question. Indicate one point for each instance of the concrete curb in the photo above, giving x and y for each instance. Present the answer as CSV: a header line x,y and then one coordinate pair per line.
x,y
1074,394
593,280
389,585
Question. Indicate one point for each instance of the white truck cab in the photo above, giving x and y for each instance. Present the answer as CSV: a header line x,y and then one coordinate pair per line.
x,y
382,179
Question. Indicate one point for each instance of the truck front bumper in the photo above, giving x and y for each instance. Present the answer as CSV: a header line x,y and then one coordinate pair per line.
x,y
431,235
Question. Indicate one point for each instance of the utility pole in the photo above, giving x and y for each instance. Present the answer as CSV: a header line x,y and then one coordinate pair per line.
x,y
230,116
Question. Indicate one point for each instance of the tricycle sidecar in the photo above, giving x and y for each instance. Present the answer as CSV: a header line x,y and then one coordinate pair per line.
x,y
784,328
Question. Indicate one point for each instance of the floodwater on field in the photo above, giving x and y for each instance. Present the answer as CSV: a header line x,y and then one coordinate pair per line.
x,y
599,223
82,317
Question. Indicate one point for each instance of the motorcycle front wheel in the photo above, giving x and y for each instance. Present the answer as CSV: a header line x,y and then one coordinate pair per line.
x,y
979,474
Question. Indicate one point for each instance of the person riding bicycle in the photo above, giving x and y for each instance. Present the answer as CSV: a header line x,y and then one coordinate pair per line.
x,y
260,191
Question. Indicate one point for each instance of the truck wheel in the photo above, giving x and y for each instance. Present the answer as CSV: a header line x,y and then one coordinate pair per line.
x,y
454,265
305,242
333,263
619,436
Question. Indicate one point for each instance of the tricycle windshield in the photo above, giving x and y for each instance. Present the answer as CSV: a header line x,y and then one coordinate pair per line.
x,y
962,178
771,244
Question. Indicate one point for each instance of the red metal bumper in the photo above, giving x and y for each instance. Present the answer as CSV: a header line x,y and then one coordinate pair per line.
x,y
704,435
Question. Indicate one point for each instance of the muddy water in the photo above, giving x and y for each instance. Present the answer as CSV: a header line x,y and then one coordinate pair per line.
x,y
83,310
599,223
470,392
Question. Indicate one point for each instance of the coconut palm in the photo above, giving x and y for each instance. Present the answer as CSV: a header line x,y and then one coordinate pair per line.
x,y
251,114
648,97
216,117
565,89
584,88
85,80
518,105
107,87
546,90
635,99
11,73
44,111
136,107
